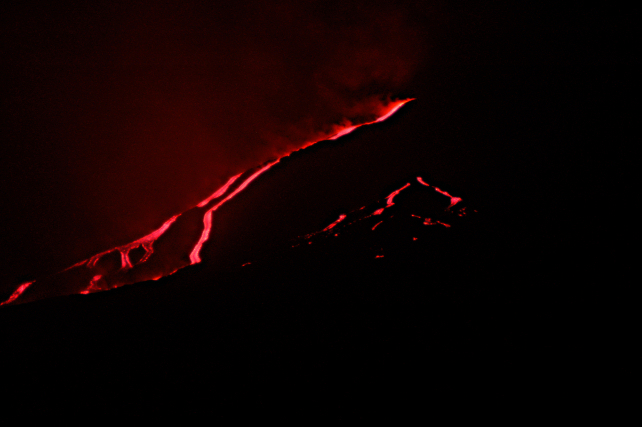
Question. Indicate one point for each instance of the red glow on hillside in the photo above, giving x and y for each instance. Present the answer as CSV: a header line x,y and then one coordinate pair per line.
x,y
92,284
453,200
388,111
220,191
17,293
392,195
104,275
390,199
343,132
145,242
194,256
329,227
428,221
354,216
207,218
421,181
395,107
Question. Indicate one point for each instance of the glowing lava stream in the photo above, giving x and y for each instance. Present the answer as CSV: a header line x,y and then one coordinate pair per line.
x,y
207,218
347,130
17,293
428,221
453,200
391,197
389,203
144,242
220,191
390,200
329,227
103,277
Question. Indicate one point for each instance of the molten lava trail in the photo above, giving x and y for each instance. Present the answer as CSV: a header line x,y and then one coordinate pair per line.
x,y
393,110
146,243
391,197
453,200
17,293
219,192
355,216
99,272
207,218
331,226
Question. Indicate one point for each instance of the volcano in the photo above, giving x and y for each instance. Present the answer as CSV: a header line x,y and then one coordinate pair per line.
x,y
316,209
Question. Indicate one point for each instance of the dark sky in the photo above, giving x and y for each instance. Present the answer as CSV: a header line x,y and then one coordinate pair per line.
x,y
117,117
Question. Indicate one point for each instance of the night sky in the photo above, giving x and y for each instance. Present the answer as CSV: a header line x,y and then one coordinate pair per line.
x,y
117,117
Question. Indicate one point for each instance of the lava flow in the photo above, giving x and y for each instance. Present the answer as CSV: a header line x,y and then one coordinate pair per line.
x,y
357,216
165,250
207,218
331,226
17,293
453,200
